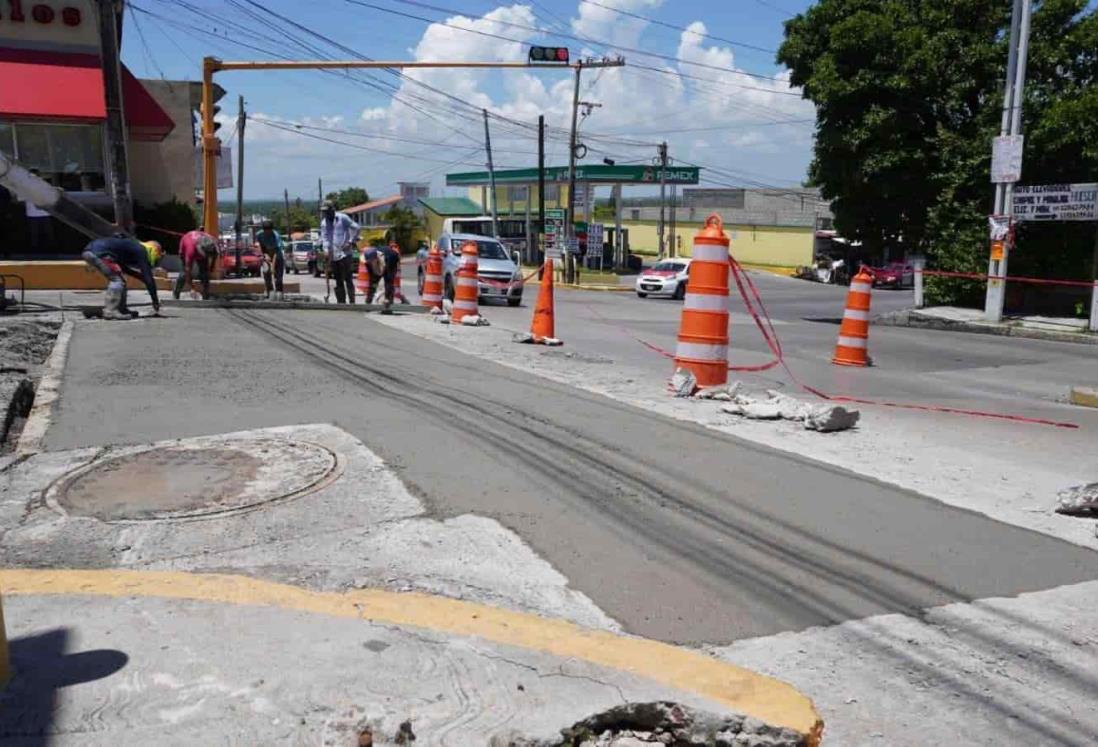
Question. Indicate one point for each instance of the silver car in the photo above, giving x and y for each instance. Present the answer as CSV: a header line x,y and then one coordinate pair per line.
x,y
499,274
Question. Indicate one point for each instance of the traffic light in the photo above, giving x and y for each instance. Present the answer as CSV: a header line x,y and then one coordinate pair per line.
x,y
549,54
216,111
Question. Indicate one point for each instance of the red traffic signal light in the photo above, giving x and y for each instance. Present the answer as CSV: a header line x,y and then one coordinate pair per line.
x,y
548,54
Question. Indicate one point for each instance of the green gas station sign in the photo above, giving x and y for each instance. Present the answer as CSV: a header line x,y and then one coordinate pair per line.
x,y
592,174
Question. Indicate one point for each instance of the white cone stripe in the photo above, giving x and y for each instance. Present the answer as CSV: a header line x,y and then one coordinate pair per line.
x,y
861,287
465,305
702,352
467,283
705,302
852,342
436,278
431,297
710,253
859,315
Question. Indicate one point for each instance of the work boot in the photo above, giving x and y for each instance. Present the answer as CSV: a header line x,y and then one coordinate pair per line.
x,y
113,300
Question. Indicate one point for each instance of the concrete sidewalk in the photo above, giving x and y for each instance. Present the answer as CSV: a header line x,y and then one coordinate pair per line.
x,y
972,320
281,585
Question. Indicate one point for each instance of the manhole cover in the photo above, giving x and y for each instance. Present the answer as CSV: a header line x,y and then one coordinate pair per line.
x,y
193,478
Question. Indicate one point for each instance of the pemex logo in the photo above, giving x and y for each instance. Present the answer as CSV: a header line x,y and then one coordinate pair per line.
x,y
649,175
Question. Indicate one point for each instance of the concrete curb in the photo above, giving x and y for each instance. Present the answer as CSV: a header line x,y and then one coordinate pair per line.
x,y
45,394
1084,396
913,318
741,690
296,305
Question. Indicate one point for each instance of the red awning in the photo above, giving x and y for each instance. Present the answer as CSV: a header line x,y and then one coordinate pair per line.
x,y
48,85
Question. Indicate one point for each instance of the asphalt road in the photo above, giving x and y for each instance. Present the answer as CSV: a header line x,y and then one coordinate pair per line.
x,y
679,532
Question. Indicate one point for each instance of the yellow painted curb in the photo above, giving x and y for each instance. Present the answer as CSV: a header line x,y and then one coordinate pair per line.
x,y
739,689
1084,396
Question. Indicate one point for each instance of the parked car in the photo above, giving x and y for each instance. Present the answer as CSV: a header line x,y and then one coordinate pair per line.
x,y
893,275
493,264
301,256
250,261
666,278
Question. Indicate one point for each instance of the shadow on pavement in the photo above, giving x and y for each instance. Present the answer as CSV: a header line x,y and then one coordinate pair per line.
x,y
40,667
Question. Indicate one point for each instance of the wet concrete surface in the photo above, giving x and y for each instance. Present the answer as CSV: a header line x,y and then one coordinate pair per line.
x,y
678,532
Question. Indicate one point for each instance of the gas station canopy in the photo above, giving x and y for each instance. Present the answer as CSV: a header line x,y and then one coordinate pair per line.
x,y
593,174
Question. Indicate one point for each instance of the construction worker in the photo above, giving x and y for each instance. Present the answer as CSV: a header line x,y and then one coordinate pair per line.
x,y
338,235
274,261
391,257
375,269
119,255
421,265
196,249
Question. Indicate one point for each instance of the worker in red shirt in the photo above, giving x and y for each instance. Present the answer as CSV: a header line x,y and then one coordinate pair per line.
x,y
196,248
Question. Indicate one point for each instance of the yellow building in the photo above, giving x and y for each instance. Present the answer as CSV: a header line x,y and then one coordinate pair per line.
x,y
773,246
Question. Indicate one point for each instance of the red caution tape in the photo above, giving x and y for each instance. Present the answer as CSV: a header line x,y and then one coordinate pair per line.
x,y
161,230
510,284
1008,278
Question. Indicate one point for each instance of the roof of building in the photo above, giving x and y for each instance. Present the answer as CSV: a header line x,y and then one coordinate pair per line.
x,y
451,205
374,204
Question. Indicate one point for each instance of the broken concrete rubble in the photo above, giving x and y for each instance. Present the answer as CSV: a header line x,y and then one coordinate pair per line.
x,y
683,383
1081,500
824,418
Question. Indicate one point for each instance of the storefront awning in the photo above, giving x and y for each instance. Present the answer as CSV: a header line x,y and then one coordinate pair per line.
x,y
41,85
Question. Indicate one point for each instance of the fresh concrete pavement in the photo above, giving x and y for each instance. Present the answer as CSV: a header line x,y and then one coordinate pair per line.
x,y
674,530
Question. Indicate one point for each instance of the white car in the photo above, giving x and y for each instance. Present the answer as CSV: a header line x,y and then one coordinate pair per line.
x,y
667,278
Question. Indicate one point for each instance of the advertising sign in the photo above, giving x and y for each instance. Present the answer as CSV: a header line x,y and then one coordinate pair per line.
x,y
1048,202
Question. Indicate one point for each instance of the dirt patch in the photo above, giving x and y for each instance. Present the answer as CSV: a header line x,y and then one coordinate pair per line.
x,y
25,344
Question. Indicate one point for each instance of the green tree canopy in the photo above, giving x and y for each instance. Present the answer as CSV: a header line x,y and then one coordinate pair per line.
x,y
402,227
348,197
908,96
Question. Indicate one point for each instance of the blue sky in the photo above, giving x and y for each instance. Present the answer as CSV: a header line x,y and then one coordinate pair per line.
x,y
750,130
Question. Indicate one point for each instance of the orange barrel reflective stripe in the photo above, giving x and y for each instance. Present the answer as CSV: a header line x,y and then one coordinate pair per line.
x,y
362,280
851,349
465,295
703,330
432,280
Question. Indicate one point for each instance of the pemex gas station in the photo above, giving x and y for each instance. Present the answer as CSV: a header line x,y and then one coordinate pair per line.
x,y
517,198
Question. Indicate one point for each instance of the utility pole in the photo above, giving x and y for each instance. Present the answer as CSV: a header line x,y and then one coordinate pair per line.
x,y
240,118
541,180
116,122
663,194
672,233
1011,124
286,197
491,176
570,211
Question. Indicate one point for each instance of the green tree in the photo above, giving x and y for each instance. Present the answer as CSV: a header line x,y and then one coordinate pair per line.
x,y
164,221
908,96
403,224
348,197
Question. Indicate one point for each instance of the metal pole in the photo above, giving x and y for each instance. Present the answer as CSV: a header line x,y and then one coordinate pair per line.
x,y
672,232
239,181
491,176
619,243
663,194
541,180
211,149
1010,125
1093,326
286,197
116,122
570,212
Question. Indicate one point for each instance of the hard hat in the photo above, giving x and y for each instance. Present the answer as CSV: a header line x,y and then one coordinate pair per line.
x,y
152,251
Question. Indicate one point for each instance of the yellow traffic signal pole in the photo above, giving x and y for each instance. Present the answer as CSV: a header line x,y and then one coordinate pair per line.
x,y
211,146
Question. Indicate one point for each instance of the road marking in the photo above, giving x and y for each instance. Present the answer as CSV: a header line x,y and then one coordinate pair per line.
x,y
739,689
45,394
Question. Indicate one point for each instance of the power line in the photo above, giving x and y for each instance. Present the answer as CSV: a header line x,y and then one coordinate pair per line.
x,y
745,45
356,146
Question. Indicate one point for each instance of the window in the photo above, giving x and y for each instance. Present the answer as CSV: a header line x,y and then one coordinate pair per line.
x,y
635,214
552,193
517,194
67,156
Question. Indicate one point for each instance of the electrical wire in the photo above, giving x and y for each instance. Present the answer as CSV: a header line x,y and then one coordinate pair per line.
x,y
656,22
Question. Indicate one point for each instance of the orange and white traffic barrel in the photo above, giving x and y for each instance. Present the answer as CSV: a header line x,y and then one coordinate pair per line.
x,y
703,331
852,347
362,279
465,294
398,288
432,280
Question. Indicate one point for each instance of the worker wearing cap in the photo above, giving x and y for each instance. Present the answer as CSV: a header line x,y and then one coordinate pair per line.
x,y
118,255
274,261
391,255
196,249
338,235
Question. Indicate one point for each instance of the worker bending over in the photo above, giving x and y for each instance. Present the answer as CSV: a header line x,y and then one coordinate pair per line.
x,y
391,255
338,235
197,249
118,255
274,261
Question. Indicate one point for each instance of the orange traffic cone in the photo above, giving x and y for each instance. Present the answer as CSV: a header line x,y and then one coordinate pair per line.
x,y
703,331
465,295
432,280
398,288
542,327
854,331
362,279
